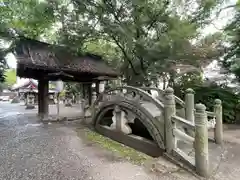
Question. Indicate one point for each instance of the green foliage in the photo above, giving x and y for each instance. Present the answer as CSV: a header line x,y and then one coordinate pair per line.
x,y
10,77
29,17
3,63
145,39
2,66
207,95
190,79
104,49
232,58
140,34
73,88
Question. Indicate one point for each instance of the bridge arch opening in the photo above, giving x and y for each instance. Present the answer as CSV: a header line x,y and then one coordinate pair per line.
x,y
138,128
145,135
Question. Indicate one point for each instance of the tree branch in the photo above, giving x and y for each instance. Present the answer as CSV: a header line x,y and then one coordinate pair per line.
x,y
227,7
125,54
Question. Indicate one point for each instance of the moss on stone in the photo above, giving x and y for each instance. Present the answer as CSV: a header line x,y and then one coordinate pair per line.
x,y
123,151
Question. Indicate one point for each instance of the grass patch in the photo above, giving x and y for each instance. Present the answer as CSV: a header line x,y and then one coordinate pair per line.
x,y
126,152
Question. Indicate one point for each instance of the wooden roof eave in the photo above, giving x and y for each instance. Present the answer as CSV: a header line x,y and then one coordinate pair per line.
x,y
65,71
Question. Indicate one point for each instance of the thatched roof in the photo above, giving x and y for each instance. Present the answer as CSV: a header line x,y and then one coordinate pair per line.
x,y
33,55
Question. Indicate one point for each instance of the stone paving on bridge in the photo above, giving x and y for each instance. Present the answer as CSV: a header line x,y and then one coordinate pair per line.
x,y
37,151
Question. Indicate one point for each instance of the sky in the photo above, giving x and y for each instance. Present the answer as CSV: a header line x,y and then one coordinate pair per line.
x,y
214,27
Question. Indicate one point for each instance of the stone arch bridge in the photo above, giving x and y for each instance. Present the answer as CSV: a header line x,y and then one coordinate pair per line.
x,y
158,125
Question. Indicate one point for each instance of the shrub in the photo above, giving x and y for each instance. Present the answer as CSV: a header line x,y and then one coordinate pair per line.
x,y
207,95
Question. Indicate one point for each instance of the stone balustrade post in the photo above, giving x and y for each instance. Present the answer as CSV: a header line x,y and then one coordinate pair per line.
x,y
118,115
169,111
120,123
189,108
201,140
189,105
218,130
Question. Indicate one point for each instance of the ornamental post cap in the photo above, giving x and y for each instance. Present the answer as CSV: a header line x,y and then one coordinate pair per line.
x,y
190,91
169,90
218,101
200,107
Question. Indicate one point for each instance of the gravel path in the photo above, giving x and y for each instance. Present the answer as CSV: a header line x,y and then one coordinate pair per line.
x,y
35,151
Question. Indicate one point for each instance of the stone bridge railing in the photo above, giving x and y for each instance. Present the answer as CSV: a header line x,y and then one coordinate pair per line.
x,y
160,95
196,121
189,110
139,94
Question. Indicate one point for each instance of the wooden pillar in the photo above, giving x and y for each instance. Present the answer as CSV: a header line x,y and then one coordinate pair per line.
x,y
84,91
43,98
40,97
97,88
89,94
46,98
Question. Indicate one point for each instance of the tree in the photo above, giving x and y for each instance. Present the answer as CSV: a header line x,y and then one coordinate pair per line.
x,y
232,58
4,50
2,65
10,77
30,18
139,36
146,33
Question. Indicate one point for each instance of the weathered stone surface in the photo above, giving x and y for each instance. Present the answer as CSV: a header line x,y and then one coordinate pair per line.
x,y
143,115
169,111
218,131
201,141
120,122
161,115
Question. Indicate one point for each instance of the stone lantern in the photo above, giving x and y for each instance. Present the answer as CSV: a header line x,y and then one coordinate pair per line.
x,y
30,101
68,99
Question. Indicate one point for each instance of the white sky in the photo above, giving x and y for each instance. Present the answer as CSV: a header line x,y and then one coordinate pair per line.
x,y
223,18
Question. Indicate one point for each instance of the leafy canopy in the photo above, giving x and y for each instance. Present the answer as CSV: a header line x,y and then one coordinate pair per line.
x,y
10,77
140,36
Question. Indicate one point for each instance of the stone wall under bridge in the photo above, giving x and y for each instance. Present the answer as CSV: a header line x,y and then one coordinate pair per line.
x,y
158,125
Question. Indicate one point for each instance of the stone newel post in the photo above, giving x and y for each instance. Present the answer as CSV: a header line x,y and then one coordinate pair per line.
x,y
201,140
169,111
117,120
189,103
189,108
120,123
218,131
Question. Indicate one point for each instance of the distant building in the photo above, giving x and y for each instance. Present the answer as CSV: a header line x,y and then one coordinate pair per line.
x,y
30,86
